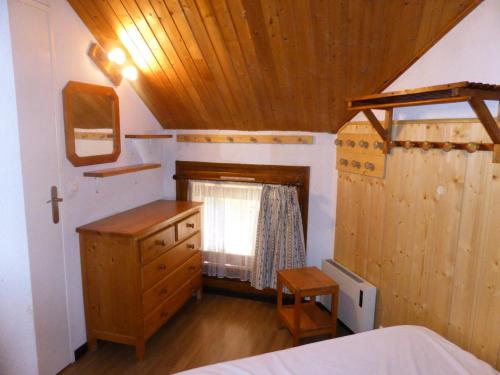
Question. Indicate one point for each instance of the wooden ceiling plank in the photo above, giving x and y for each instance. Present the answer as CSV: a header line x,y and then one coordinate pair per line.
x,y
230,37
256,23
339,61
274,31
197,69
206,69
447,21
322,44
152,33
281,32
175,102
305,57
268,64
107,17
242,28
208,18
105,35
195,23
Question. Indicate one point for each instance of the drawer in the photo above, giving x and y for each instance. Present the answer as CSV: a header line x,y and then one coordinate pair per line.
x,y
169,261
188,226
163,313
168,286
157,244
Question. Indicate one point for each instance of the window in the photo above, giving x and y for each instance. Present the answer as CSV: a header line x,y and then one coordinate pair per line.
x,y
230,215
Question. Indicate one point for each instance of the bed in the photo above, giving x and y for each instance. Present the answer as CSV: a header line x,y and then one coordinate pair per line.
x,y
401,350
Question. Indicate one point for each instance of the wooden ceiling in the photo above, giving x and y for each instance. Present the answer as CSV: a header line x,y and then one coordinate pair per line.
x,y
266,64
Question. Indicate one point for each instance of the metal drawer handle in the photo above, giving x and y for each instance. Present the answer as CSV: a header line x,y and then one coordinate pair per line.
x,y
160,242
163,291
190,225
190,245
162,267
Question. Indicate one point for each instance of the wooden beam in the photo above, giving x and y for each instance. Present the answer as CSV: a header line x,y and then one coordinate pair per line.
x,y
379,128
486,118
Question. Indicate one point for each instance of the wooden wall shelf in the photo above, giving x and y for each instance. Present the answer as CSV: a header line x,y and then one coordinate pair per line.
x,y
121,170
473,93
238,138
148,136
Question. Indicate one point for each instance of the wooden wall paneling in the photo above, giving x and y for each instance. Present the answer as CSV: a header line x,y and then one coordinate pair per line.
x,y
470,247
433,226
486,319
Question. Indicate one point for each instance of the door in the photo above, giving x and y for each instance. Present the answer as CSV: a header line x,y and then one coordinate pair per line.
x,y
32,57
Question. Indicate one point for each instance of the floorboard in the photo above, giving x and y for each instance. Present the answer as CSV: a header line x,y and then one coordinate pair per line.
x,y
217,328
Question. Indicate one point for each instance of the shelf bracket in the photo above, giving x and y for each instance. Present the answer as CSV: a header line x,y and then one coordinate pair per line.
x,y
383,130
491,125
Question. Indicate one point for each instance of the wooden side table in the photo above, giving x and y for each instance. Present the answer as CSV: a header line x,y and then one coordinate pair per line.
x,y
307,319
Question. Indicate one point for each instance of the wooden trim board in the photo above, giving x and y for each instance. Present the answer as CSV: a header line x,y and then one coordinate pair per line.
x,y
238,138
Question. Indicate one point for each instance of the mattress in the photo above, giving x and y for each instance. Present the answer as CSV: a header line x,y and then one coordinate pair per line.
x,y
408,350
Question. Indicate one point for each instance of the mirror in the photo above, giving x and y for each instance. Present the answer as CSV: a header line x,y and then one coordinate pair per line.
x,y
91,123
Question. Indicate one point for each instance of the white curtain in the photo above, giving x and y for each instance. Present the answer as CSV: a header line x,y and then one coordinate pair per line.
x,y
230,214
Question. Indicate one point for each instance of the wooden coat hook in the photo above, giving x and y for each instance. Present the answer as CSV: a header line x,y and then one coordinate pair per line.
x,y
448,146
427,146
472,147
363,144
356,164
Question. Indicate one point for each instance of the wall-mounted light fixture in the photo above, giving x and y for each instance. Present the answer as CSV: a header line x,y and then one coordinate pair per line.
x,y
113,64
117,56
130,73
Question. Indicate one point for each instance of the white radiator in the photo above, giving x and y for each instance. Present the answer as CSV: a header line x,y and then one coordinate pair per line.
x,y
356,299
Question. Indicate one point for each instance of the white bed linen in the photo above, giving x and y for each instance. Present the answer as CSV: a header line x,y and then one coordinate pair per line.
x,y
401,350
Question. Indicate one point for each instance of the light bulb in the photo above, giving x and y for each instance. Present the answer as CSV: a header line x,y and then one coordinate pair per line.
x,y
117,56
130,73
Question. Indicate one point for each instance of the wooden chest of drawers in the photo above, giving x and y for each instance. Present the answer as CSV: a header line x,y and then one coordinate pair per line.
x,y
138,268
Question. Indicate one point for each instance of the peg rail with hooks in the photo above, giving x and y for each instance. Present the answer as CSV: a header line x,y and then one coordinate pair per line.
x,y
473,93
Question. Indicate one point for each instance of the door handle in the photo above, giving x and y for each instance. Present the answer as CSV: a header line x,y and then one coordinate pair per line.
x,y
54,200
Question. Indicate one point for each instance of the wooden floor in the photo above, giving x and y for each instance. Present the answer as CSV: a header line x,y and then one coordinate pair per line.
x,y
217,328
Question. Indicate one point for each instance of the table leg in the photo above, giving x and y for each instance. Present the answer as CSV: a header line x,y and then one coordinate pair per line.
x,y
334,309
279,302
296,328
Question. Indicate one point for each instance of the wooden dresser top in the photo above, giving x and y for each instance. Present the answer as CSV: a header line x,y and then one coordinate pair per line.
x,y
139,220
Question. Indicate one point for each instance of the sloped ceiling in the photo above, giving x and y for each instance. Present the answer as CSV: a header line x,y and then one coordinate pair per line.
x,y
266,64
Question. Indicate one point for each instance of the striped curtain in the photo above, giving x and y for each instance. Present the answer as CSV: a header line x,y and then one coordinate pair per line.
x,y
280,235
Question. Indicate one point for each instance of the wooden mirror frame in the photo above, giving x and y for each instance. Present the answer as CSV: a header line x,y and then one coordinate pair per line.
x,y
78,161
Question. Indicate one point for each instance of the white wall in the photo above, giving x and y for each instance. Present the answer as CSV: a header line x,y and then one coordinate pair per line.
x,y
469,52
87,199
320,157
17,329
